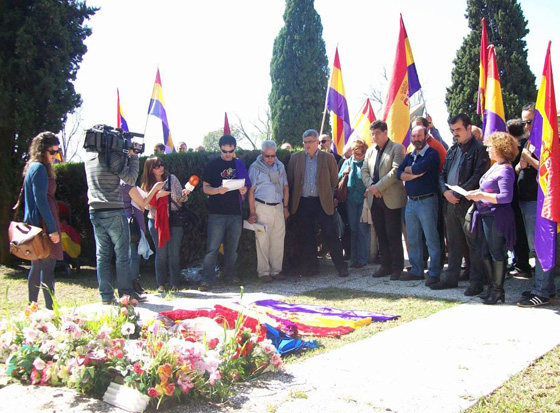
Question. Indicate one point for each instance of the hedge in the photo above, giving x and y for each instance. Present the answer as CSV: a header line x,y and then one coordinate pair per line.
x,y
72,189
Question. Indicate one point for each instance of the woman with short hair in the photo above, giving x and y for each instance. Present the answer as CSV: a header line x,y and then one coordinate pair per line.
x,y
494,217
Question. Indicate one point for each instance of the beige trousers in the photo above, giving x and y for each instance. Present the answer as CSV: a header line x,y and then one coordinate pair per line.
x,y
270,244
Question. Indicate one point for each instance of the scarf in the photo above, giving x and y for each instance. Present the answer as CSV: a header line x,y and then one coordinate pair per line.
x,y
274,175
162,219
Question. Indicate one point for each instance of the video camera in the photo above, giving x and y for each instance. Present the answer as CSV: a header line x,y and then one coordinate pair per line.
x,y
103,138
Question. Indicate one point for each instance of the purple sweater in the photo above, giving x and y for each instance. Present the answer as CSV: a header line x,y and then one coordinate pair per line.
x,y
499,180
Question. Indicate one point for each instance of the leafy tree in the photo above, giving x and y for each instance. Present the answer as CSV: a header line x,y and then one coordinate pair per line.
x,y
210,140
41,47
506,27
299,73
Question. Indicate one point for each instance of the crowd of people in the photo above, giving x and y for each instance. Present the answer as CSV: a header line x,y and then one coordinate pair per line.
x,y
467,205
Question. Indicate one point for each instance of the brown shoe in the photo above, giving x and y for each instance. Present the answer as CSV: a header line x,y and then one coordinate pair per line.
x,y
278,277
266,278
204,287
396,275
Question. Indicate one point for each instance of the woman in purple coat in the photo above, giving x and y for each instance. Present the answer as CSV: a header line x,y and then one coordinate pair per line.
x,y
494,217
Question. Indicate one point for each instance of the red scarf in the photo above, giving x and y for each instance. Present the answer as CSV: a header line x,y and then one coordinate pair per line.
x,y
162,219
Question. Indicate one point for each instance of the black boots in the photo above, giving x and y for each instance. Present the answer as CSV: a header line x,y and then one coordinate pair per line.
x,y
496,283
487,270
137,287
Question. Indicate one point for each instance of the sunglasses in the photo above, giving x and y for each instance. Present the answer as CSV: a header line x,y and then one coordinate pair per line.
x,y
269,156
527,122
324,141
157,165
54,152
224,151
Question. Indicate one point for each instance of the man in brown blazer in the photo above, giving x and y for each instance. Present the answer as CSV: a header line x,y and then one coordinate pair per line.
x,y
312,178
387,198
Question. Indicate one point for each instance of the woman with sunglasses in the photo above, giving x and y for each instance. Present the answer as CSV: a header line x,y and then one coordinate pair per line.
x,y
167,239
41,209
359,231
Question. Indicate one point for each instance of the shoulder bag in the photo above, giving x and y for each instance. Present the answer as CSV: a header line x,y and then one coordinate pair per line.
x,y
28,242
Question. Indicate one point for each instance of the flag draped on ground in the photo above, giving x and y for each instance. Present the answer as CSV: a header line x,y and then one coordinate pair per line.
x,y
544,137
494,116
157,108
121,121
483,69
361,125
337,104
404,84
227,130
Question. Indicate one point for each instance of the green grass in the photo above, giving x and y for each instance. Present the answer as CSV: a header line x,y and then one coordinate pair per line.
x,y
536,389
408,308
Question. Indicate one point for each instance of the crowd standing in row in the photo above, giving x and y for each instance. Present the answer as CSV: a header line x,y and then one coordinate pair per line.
x,y
475,201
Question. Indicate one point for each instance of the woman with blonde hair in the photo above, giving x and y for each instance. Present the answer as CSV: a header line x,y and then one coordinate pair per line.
x,y
494,218
359,231
41,209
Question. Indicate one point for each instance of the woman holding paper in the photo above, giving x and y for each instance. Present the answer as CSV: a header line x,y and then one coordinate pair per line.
x,y
167,239
494,217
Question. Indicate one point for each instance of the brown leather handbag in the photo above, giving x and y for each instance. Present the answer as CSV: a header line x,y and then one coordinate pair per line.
x,y
28,242
342,189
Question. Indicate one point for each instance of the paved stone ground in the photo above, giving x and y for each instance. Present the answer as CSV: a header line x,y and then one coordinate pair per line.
x,y
442,363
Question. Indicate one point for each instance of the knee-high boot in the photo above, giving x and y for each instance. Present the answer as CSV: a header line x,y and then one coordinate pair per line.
x,y
487,269
497,282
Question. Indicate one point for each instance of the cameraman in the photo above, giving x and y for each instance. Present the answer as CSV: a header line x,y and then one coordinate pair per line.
x,y
105,198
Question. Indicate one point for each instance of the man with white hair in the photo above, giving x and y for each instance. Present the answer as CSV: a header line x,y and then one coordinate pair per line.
x,y
268,204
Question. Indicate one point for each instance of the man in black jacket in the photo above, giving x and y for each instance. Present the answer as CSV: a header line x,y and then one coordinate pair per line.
x,y
465,163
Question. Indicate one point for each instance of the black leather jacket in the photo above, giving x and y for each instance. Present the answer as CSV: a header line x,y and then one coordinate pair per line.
x,y
473,165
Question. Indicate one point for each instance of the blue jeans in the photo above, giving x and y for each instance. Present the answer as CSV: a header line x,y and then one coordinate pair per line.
x,y
41,272
544,280
168,257
359,233
112,234
226,229
422,216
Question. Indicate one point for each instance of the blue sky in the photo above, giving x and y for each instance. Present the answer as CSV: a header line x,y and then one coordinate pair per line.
x,y
214,56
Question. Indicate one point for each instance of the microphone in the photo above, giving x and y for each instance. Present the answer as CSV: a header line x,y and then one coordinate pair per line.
x,y
193,183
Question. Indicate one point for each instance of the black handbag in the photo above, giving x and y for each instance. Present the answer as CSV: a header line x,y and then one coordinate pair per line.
x,y
183,217
468,224
134,228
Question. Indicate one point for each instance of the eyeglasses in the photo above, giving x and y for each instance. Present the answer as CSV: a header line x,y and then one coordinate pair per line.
x,y
54,152
224,151
310,142
269,156
527,122
157,165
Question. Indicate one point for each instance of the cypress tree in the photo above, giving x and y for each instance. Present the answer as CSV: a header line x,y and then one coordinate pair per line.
x,y
41,47
299,73
506,27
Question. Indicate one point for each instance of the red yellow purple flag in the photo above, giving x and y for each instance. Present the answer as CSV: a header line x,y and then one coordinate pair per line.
x,y
227,130
121,121
157,108
361,125
483,69
494,116
544,137
404,84
337,104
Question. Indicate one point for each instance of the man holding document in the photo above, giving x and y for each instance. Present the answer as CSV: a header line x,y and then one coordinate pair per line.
x,y
222,182
466,162
268,204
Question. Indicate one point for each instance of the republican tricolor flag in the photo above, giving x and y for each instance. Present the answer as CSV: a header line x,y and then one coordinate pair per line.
x,y
544,137
157,108
121,121
337,104
494,116
483,69
361,126
404,84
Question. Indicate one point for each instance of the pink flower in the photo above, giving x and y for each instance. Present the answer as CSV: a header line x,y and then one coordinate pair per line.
x,y
169,389
269,348
152,392
138,368
134,302
104,332
35,376
184,383
39,364
215,375
276,360
125,300
124,310
72,329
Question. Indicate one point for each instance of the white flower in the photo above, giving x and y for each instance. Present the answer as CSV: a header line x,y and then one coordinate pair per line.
x,y
127,329
39,364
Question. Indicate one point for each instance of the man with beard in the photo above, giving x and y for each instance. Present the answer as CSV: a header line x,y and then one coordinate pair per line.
x,y
420,172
